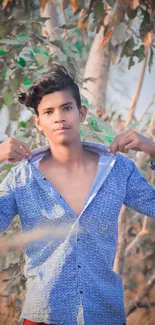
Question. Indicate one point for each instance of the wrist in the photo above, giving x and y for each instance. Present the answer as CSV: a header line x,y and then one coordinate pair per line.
x,y
2,159
152,153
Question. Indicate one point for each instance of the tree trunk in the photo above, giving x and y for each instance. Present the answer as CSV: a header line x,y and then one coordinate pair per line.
x,y
137,93
56,19
97,68
98,63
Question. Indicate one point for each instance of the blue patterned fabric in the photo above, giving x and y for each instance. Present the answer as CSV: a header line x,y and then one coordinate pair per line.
x,y
70,280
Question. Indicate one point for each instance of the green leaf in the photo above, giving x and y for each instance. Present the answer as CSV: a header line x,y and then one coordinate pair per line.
x,y
98,11
41,59
2,51
22,124
79,45
8,98
69,26
150,63
109,139
27,82
21,62
128,47
14,84
139,53
110,2
8,41
131,62
131,13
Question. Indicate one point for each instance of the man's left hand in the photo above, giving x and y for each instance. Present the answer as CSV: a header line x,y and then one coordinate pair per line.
x,y
131,140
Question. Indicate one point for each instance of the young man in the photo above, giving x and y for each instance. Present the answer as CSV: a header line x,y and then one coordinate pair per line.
x,y
70,280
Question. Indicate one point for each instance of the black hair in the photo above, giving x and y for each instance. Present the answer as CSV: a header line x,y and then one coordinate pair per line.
x,y
57,78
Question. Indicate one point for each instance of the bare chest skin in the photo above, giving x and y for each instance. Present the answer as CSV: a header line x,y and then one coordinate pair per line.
x,y
73,185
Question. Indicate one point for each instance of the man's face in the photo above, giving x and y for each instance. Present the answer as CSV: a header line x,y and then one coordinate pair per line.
x,y
59,117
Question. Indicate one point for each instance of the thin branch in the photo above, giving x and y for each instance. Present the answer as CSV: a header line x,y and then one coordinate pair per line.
x,y
147,108
119,259
141,234
151,125
137,92
134,32
135,303
12,279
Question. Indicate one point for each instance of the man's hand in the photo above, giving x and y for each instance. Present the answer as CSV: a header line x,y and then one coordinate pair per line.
x,y
13,150
131,140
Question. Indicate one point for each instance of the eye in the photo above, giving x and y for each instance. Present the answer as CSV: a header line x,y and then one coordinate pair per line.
x,y
48,112
67,108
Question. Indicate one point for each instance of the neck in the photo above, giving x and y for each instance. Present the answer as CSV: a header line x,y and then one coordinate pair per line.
x,y
68,156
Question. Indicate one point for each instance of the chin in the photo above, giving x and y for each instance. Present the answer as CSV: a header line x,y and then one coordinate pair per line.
x,y
65,141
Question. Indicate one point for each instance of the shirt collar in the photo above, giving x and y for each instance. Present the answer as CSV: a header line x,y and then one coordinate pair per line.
x,y
41,152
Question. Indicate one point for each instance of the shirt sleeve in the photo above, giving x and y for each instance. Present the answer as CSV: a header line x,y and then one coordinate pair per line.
x,y
140,196
8,208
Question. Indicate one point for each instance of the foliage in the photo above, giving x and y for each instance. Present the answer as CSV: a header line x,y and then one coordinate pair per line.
x,y
25,53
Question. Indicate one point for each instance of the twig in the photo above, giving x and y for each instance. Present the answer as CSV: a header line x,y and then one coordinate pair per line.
x,y
147,108
151,125
12,279
134,32
119,260
135,303
141,234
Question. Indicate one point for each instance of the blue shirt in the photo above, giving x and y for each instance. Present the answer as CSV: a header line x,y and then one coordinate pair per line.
x,y
70,280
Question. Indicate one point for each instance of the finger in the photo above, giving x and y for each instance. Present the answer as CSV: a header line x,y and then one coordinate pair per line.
x,y
123,143
114,146
131,146
20,150
14,156
26,148
18,143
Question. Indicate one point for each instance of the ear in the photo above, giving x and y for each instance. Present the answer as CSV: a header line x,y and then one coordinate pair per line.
x,y
36,121
83,113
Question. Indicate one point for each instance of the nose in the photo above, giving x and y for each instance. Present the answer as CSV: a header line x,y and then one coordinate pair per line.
x,y
59,117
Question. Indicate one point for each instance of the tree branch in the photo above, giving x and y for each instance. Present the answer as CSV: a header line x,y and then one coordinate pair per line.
x,y
136,302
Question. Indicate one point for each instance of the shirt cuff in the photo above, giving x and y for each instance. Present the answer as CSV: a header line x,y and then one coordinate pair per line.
x,y
152,165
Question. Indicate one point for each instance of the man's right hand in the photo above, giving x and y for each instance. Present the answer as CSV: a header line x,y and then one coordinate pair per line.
x,y
13,150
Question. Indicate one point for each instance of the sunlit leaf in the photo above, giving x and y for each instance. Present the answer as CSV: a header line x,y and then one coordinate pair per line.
x,y
5,3
43,4
8,98
74,5
107,37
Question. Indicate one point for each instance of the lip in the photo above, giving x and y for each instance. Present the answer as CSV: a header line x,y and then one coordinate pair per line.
x,y
61,129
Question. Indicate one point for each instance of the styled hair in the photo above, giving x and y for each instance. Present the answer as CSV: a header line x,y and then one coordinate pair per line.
x,y
57,78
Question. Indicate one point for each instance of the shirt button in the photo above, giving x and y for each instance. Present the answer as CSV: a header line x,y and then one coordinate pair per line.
x,y
78,239
79,266
81,291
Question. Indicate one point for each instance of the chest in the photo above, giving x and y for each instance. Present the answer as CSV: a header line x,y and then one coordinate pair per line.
x,y
74,188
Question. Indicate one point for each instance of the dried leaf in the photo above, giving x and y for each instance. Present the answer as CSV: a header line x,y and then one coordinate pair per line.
x,y
107,37
43,4
148,40
5,3
134,4
74,4
83,22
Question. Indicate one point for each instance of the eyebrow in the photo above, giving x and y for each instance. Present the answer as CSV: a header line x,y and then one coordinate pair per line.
x,y
68,103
